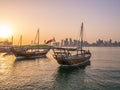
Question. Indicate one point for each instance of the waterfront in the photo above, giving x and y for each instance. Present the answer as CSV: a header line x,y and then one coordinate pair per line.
x,y
103,73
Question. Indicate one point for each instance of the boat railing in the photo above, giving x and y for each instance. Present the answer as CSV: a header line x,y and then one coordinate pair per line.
x,y
65,52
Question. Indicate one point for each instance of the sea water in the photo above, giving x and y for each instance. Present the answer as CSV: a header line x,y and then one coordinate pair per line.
x,y
103,73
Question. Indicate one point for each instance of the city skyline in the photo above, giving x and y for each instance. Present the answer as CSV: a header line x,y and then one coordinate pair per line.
x,y
98,42
68,42
60,19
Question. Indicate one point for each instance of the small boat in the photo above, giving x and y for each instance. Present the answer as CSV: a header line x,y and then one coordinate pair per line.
x,y
72,56
23,52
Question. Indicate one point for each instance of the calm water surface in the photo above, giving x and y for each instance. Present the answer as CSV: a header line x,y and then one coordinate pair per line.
x,y
103,73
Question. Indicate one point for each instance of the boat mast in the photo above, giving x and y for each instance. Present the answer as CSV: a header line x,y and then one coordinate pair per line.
x,y
20,41
81,34
38,39
12,40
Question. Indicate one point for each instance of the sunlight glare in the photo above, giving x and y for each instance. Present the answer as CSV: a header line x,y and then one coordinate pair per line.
x,y
5,31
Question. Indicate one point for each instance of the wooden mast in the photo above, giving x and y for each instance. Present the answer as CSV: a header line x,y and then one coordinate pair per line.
x,y
81,34
38,39
20,41
12,40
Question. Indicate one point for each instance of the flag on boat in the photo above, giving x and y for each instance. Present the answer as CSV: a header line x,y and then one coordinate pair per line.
x,y
49,41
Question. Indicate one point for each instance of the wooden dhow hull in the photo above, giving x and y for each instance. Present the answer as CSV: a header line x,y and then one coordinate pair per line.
x,y
30,55
24,54
73,60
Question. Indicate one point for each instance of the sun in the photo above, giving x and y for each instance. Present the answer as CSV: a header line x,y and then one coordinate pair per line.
x,y
5,31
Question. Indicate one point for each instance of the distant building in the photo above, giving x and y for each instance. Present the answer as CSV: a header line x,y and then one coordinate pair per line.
x,y
66,42
62,42
70,42
56,43
98,43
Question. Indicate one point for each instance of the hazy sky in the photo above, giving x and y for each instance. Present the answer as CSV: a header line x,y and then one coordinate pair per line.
x,y
61,18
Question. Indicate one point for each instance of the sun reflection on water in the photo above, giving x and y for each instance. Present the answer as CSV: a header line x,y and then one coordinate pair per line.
x,y
6,66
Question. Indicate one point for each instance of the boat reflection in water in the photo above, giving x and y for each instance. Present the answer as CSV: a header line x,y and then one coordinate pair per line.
x,y
67,77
